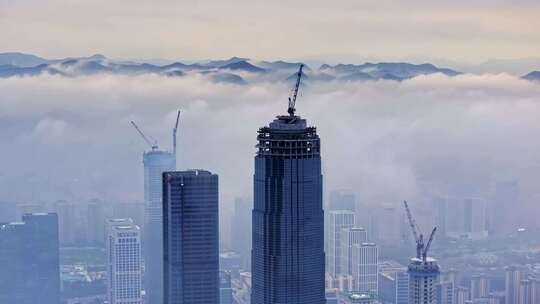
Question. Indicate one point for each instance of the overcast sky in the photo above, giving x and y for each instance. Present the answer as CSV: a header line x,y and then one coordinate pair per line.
x,y
343,30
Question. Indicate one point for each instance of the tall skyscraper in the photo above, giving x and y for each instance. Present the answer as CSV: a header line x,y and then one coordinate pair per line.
x,y
337,220
350,237
155,163
191,239
124,274
29,260
512,281
365,268
288,222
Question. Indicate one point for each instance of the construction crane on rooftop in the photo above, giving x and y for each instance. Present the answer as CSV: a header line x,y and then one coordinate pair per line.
x,y
421,248
174,132
153,145
292,99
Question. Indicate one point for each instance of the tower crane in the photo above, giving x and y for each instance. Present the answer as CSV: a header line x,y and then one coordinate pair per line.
x,y
174,132
292,99
421,248
154,145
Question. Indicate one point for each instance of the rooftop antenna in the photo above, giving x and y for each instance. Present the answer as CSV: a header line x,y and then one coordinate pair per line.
x,y
292,99
421,248
174,133
154,145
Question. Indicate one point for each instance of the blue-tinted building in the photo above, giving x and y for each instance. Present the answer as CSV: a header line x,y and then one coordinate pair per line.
x,y
29,260
190,237
155,163
288,220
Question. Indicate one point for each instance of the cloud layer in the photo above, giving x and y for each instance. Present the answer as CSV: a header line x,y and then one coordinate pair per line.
x,y
70,138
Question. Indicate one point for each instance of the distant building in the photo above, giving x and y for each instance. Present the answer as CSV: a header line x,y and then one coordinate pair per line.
x,y
393,283
124,273
357,298
350,237
365,260
463,295
67,222
155,163
445,292
513,278
423,279
191,239
225,288
30,260
480,286
342,200
95,228
386,224
503,219
337,220
463,218
241,230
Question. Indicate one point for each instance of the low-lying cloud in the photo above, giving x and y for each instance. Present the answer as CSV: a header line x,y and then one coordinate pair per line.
x,y
70,138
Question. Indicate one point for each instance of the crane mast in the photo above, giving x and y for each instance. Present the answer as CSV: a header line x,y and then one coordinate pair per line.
x,y
292,99
421,248
174,132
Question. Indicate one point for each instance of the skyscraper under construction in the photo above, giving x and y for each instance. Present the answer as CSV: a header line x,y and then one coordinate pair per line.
x,y
288,225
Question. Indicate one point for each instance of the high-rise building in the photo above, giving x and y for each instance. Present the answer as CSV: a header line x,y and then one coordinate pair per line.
x,y
337,220
191,239
423,279
503,215
393,283
445,292
67,222
350,237
95,231
288,258
155,163
463,295
480,286
513,278
124,274
225,288
386,224
465,218
342,200
365,268
30,260
241,229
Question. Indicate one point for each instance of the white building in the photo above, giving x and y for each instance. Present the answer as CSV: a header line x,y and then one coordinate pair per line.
x,y
337,220
423,281
348,238
365,268
124,276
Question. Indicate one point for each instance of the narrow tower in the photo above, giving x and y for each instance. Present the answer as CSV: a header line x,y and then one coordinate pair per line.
x,y
423,270
288,225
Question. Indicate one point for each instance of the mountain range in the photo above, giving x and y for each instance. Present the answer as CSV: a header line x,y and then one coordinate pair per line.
x,y
236,70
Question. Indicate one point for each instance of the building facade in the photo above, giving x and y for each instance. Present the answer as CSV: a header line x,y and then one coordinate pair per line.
x,y
365,268
423,279
513,278
124,273
30,260
288,260
191,237
337,221
350,237
155,163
